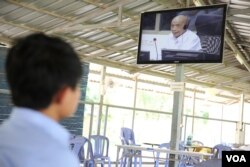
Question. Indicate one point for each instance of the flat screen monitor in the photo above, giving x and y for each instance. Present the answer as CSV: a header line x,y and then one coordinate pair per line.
x,y
184,35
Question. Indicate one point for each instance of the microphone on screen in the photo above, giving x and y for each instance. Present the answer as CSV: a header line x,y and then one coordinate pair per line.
x,y
154,39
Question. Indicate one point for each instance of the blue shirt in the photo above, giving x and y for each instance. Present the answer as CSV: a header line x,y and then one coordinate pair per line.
x,y
30,139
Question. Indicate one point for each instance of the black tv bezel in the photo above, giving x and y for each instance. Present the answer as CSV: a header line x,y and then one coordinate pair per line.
x,y
220,57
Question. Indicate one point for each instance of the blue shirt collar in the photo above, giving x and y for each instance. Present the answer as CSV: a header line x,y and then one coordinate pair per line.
x,y
38,119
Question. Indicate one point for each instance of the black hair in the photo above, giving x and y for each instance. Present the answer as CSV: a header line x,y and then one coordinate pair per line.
x,y
38,66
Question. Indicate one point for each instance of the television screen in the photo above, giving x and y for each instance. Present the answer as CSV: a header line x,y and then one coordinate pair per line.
x,y
186,35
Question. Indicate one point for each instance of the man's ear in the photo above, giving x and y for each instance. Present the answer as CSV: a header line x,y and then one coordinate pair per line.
x,y
58,98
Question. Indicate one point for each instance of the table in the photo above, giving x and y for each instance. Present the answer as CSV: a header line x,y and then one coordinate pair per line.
x,y
153,145
242,148
198,148
162,150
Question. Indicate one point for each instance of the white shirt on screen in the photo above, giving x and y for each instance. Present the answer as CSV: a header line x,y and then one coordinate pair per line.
x,y
187,41
30,139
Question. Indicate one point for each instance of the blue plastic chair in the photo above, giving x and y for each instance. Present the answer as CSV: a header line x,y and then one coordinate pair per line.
x,y
187,161
157,162
81,146
217,150
184,160
100,146
128,138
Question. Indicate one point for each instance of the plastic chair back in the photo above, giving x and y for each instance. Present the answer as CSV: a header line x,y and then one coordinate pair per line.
x,y
81,146
217,150
163,145
127,136
182,145
100,145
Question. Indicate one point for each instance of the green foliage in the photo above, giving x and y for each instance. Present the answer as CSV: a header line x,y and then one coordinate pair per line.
x,y
188,111
205,114
92,95
147,99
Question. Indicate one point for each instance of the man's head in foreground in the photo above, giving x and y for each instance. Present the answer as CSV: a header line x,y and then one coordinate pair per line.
x,y
43,74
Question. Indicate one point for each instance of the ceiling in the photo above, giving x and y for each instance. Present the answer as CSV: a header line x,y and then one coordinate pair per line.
x,y
106,32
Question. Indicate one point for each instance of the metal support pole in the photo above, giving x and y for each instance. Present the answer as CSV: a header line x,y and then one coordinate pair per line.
x,y
240,130
103,73
135,96
177,115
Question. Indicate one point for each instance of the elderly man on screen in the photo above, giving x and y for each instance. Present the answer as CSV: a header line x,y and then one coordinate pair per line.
x,y
181,37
